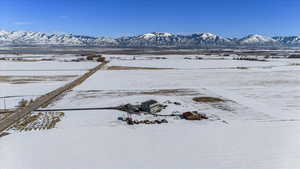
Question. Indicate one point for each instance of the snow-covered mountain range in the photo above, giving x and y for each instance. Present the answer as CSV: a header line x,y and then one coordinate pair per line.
x,y
155,39
37,38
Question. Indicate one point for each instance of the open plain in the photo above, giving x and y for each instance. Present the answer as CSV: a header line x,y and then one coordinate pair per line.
x,y
252,109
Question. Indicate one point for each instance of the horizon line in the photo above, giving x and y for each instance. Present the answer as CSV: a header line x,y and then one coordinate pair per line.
x,y
136,34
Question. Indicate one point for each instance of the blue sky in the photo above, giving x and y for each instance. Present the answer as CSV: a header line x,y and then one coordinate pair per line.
x,y
114,18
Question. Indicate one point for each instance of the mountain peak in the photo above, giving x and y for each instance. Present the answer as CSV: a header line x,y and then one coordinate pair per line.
x,y
207,35
255,38
156,34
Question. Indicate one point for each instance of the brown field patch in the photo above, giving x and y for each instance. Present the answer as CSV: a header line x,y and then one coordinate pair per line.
x,y
165,91
4,134
134,68
207,99
294,64
33,79
241,67
4,114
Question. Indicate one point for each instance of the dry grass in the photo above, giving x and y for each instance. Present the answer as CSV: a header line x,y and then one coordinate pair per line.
x,y
294,64
4,134
207,99
6,111
4,115
165,91
240,67
40,121
26,60
33,79
134,68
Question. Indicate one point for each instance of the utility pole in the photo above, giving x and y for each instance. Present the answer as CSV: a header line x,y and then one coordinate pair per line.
x,y
4,103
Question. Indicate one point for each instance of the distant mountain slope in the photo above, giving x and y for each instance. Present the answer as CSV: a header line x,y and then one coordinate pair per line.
x,y
155,39
288,40
256,39
37,38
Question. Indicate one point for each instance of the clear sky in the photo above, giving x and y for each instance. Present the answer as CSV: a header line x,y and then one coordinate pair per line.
x,y
114,18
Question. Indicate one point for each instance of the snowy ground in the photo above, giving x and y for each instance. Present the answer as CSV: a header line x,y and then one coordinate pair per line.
x,y
257,126
51,75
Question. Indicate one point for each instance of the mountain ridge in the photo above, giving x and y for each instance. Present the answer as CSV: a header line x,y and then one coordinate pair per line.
x,y
154,39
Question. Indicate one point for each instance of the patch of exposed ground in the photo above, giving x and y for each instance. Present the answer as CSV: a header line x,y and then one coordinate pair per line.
x,y
275,82
25,60
4,111
168,91
33,79
294,64
164,92
4,114
134,68
215,102
208,99
40,121
239,67
4,134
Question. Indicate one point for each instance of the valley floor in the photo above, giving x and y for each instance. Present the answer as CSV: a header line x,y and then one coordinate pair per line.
x,y
257,125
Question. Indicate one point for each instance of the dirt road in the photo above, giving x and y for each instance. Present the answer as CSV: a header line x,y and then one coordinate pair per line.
x,y
45,99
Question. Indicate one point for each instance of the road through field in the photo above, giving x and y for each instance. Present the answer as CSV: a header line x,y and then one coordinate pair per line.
x,y
45,99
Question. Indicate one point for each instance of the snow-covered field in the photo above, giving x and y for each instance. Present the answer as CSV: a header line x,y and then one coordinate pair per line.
x,y
258,126
31,79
